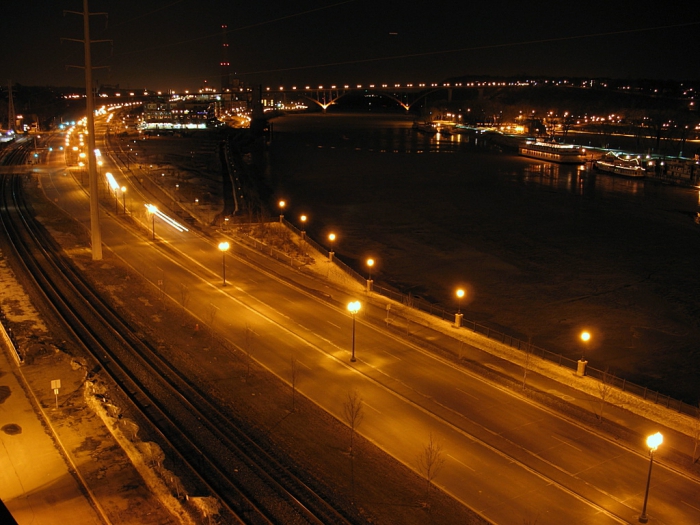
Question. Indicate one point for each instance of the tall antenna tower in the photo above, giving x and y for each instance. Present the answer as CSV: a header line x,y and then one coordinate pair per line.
x,y
225,64
11,118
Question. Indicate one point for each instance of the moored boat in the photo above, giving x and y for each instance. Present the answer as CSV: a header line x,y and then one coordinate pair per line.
x,y
553,152
626,167
425,127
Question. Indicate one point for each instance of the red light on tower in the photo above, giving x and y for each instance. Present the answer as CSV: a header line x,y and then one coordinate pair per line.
x,y
224,64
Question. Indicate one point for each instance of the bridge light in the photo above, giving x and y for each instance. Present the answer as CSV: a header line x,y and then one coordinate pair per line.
x,y
359,86
294,87
346,86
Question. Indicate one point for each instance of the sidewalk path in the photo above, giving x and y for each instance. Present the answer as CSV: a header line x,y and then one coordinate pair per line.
x,y
47,493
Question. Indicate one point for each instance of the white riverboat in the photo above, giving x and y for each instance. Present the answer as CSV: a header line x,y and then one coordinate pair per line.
x,y
626,167
553,152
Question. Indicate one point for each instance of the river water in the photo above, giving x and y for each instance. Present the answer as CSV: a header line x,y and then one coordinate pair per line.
x,y
544,251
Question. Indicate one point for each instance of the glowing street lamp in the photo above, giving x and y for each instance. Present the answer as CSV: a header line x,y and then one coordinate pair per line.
x,y
653,443
459,293
282,204
458,316
353,308
331,238
370,264
581,368
585,337
224,246
152,209
123,188
303,219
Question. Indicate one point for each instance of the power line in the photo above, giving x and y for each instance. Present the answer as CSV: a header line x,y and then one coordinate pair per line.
x,y
474,48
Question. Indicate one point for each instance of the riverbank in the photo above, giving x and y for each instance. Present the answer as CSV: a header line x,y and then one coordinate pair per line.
x,y
544,251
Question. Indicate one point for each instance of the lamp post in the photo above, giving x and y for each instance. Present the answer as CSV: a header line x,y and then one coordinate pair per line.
x,y
458,316
303,226
353,307
123,188
282,204
653,443
370,263
152,210
581,368
223,246
331,237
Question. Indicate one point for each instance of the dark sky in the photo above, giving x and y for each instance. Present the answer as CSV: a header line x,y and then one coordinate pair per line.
x,y
170,44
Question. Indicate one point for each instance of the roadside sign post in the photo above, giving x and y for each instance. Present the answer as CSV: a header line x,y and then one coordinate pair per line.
x,y
55,386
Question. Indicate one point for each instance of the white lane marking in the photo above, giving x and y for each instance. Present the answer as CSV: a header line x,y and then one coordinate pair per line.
x,y
392,355
365,403
467,393
691,506
567,443
303,364
463,464
333,324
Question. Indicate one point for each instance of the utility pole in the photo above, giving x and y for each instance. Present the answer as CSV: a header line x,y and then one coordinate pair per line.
x,y
96,235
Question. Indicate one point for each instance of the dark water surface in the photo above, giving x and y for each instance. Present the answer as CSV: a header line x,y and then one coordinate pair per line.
x,y
543,250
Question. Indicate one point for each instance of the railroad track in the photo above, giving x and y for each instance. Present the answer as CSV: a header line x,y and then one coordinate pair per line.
x,y
252,486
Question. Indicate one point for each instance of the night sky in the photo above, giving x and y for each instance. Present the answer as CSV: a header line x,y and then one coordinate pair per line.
x,y
169,44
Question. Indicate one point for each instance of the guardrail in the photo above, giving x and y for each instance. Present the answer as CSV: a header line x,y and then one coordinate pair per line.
x,y
438,311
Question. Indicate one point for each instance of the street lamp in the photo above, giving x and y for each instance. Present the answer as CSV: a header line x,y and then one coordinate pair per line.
x,y
370,263
581,368
459,293
653,443
224,246
353,307
282,204
331,237
458,316
123,188
303,226
152,209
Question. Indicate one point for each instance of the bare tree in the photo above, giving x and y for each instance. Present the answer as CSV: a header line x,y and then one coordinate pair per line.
x,y
184,295
248,347
604,391
294,378
430,461
212,310
353,413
